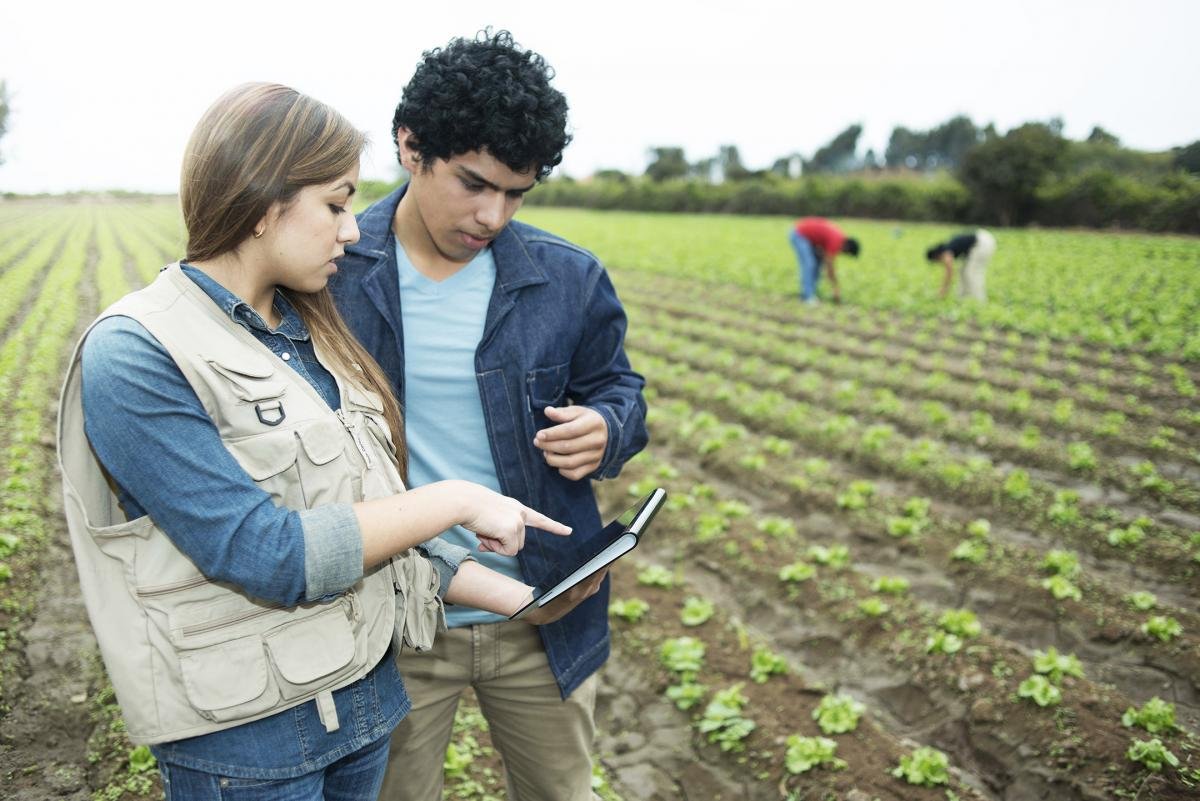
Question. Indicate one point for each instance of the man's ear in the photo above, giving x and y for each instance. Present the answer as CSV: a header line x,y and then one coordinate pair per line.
x,y
406,146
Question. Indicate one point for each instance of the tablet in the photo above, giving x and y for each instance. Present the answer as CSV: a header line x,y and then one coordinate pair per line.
x,y
615,540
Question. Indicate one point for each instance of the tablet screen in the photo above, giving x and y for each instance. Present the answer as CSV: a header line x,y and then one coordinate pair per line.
x,y
615,539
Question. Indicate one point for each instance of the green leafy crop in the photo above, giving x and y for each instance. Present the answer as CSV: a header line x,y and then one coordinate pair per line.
x,y
1163,627
924,767
1038,689
1062,588
1151,753
630,609
797,572
723,721
1061,563
686,694
893,585
873,606
835,556
1141,600
765,663
836,714
1054,665
961,622
1155,716
682,655
696,611
941,642
806,753
656,576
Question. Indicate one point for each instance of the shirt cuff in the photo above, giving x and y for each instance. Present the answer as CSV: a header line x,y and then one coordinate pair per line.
x,y
445,558
333,550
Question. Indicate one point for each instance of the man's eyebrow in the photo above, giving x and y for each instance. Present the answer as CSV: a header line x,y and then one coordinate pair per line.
x,y
474,176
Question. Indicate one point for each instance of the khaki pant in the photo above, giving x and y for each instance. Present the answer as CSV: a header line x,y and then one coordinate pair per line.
x,y
974,270
545,741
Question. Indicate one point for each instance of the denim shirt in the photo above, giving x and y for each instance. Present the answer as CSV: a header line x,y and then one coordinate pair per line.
x,y
554,332
138,410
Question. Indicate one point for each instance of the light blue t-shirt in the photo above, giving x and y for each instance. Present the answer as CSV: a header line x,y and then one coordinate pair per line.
x,y
443,415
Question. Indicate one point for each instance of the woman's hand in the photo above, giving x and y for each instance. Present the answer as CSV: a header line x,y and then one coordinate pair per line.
x,y
499,521
567,601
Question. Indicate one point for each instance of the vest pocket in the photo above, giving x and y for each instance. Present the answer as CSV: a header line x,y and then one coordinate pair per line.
x,y
237,664
310,653
229,680
251,379
299,466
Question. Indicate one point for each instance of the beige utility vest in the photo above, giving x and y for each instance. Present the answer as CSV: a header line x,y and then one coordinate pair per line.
x,y
187,655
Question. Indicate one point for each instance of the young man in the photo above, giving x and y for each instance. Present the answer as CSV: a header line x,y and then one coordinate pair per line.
x,y
506,347
817,241
976,250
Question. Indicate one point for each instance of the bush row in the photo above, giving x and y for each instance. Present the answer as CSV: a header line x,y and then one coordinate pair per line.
x,y
1095,198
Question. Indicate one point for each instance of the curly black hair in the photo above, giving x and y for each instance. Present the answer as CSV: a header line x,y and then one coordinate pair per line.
x,y
485,94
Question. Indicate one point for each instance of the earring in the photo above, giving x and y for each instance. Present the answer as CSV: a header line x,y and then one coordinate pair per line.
x,y
258,234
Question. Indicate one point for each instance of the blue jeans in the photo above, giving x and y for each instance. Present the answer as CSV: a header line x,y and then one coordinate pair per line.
x,y
810,268
355,777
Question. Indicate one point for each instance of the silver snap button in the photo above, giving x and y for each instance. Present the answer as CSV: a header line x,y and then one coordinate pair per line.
x,y
286,357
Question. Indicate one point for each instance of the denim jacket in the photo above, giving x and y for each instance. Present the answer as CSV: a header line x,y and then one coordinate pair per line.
x,y
554,333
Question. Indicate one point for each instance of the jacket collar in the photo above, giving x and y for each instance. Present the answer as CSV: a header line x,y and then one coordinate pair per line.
x,y
515,267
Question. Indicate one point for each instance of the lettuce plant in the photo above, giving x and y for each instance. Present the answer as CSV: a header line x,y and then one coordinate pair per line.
x,y
656,576
941,642
836,714
925,767
1038,689
1151,753
1155,715
973,551
961,622
873,606
893,585
1061,563
1061,588
1163,627
765,663
696,611
686,694
1141,600
797,572
682,655
835,556
805,753
723,721
1054,665
629,609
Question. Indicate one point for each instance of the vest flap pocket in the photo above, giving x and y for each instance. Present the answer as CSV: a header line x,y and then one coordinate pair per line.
x,y
360,397
225,675
309,649
323,440
251,378
265,455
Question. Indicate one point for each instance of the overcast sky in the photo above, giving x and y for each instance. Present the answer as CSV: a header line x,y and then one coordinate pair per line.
x,y
104,94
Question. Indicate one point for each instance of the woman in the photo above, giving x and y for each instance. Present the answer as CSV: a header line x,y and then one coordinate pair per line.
x,y
234,492
976,249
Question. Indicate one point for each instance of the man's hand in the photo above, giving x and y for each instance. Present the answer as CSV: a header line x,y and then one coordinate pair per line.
x,y
576,445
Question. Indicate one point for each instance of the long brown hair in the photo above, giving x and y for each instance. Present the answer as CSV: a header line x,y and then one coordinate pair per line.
x,y
258,145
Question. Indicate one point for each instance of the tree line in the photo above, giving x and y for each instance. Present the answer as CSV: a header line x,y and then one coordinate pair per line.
x,y
956,171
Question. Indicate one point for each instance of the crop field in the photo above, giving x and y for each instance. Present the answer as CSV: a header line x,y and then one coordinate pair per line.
x,y
914,549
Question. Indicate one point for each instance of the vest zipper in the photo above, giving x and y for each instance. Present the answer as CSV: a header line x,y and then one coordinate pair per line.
x,y
174,586
201,628
356,435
